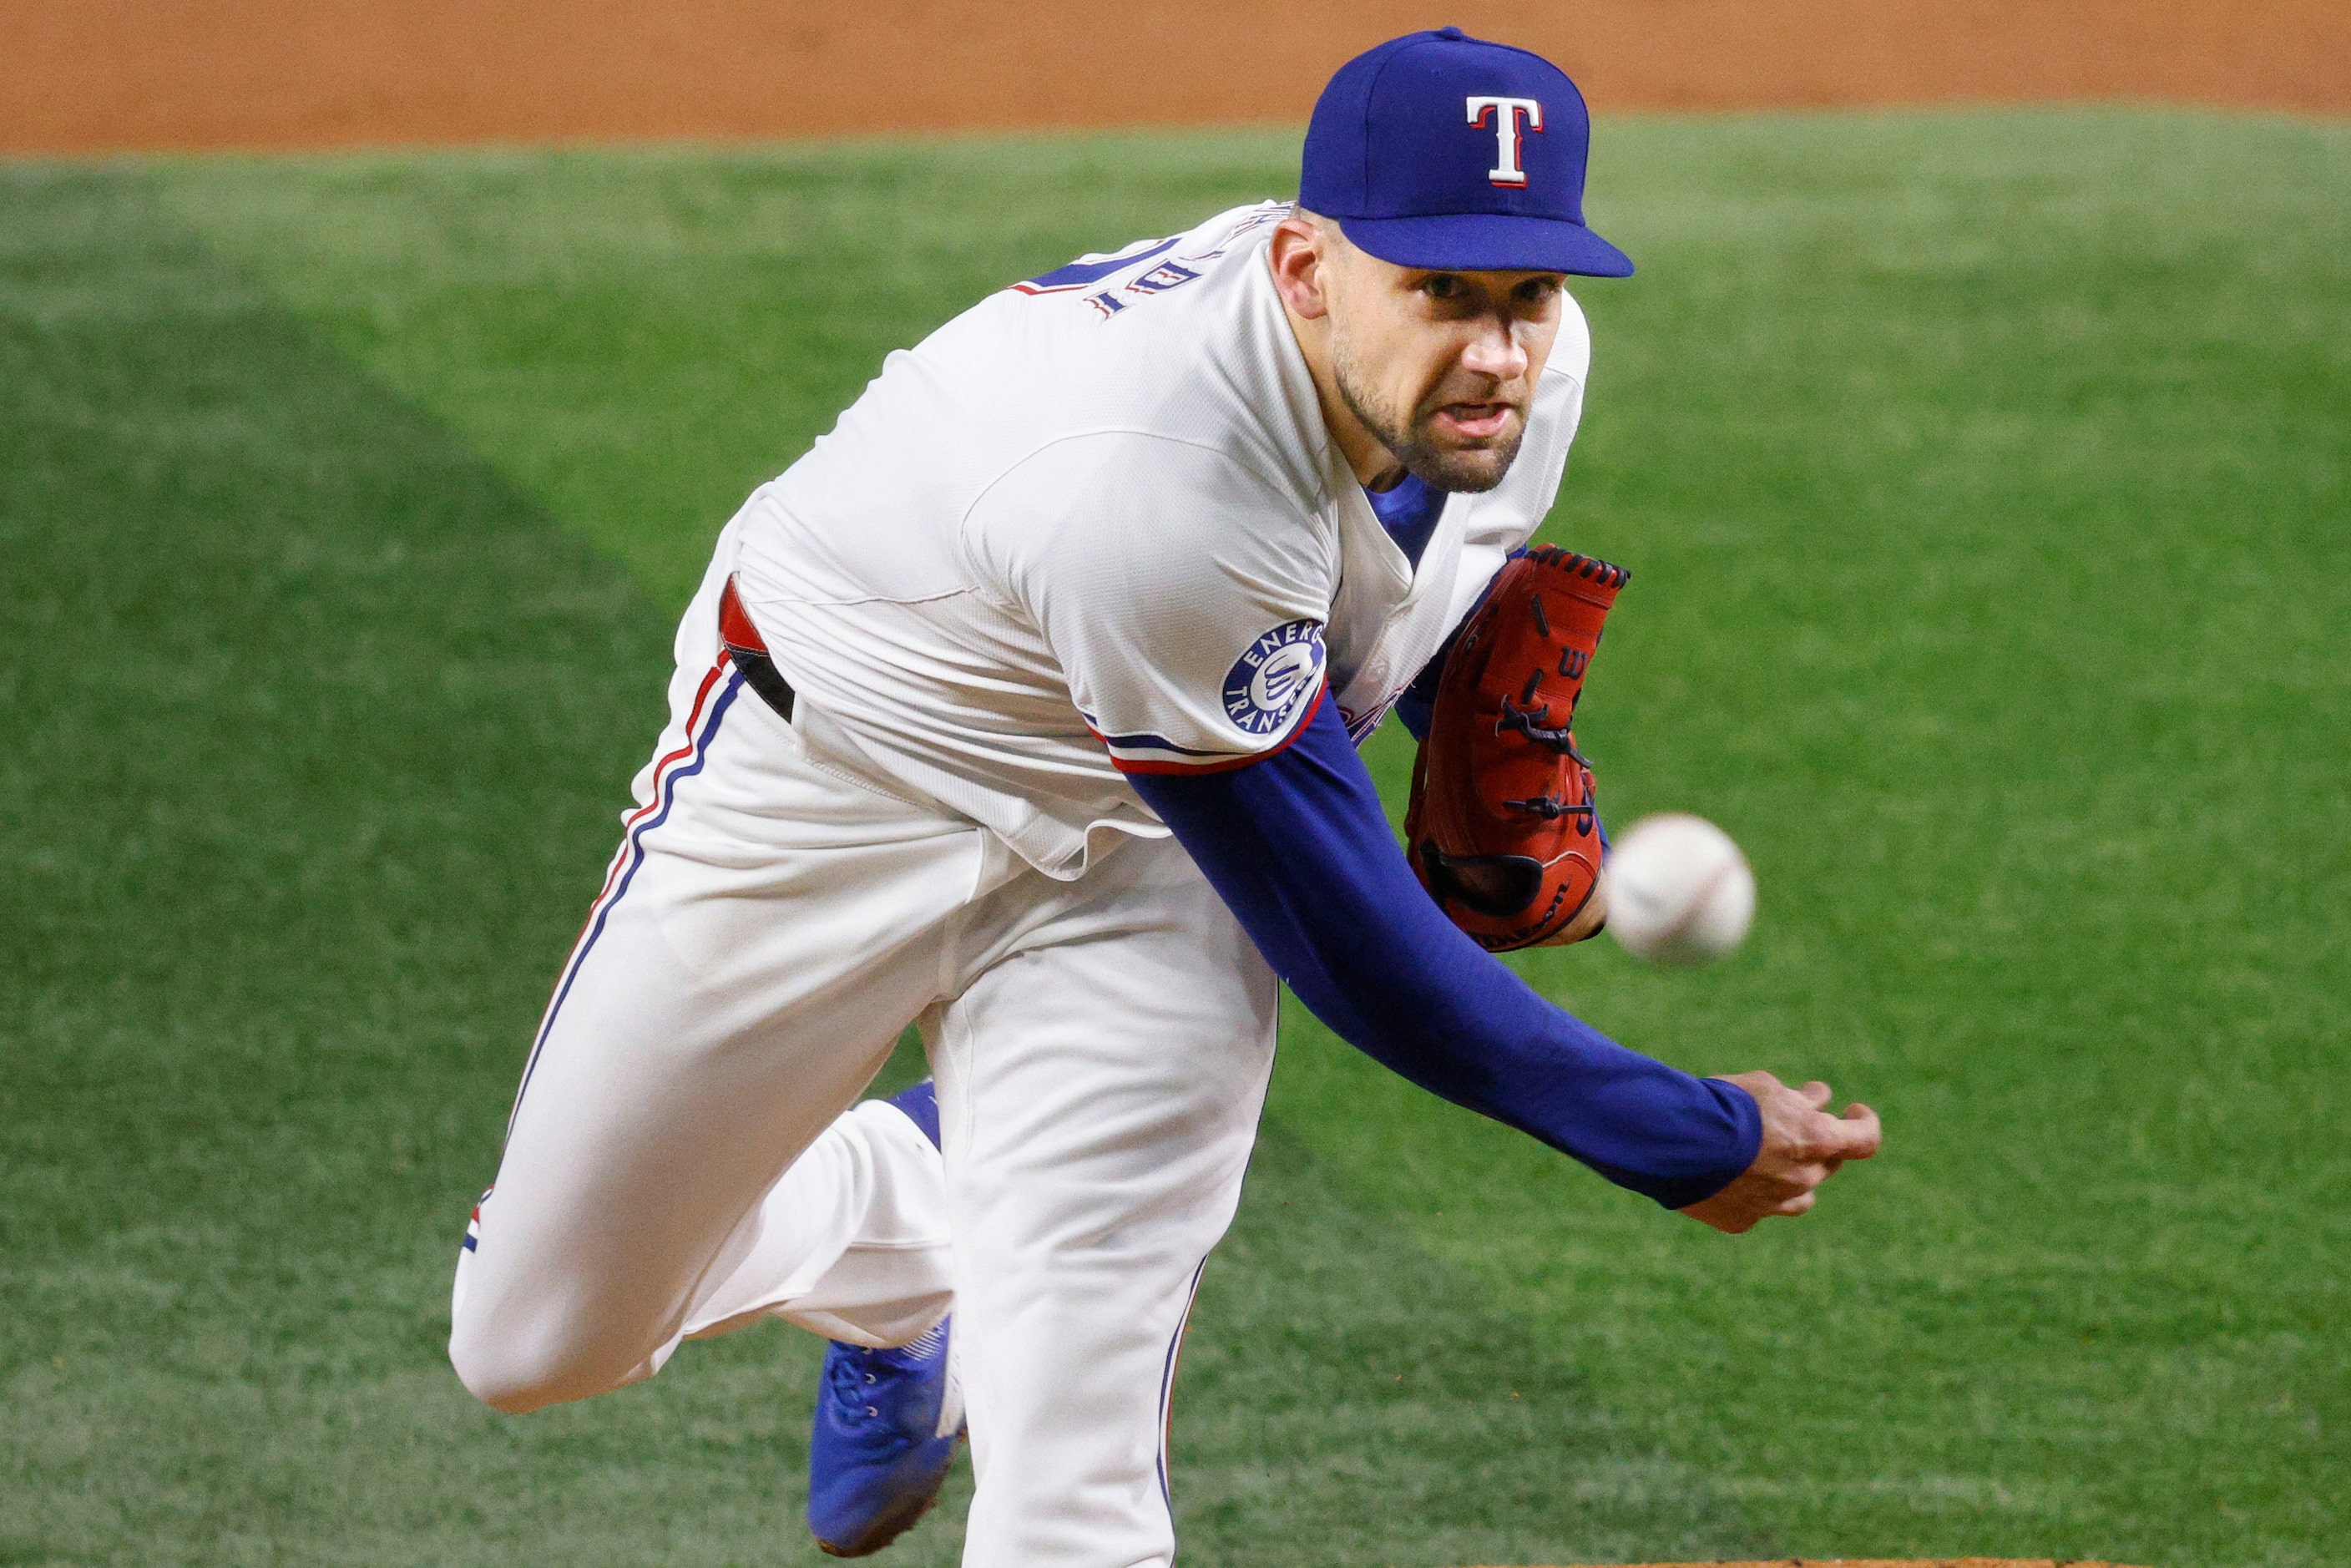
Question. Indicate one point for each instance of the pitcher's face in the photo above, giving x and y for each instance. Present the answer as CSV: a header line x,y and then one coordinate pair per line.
x,y
1442,366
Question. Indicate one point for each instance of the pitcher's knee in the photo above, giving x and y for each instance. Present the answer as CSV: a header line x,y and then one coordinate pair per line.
x,y
500,1376
521,1368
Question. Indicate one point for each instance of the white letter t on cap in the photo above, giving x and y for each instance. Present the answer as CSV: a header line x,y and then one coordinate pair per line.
x,y
1506,170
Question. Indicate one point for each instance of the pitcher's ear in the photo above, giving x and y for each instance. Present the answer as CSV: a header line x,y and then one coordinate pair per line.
x,y
1299,256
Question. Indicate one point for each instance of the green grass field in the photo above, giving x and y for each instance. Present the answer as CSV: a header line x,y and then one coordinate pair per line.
x,y
1987,483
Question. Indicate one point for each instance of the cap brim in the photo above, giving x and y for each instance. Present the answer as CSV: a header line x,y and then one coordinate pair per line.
x,y
1489,242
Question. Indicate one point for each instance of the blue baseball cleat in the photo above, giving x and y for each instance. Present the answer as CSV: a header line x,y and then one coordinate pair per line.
x,y
887,1422
886,1429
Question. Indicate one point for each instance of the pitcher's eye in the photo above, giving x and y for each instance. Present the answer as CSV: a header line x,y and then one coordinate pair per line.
x,y
1441,285
1538,290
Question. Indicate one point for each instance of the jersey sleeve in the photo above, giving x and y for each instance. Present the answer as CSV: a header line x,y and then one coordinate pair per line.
x,y
1183,595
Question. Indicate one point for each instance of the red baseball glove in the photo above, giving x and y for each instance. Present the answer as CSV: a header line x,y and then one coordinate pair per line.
x,y
1503,830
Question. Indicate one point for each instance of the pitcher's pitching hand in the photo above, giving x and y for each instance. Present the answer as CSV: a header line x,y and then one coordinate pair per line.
x,y
1802,1148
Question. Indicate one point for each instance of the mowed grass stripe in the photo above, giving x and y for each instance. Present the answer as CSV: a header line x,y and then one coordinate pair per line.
x,y
318,734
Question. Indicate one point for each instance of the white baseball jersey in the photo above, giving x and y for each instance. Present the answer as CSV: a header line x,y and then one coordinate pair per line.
x,y
1096,523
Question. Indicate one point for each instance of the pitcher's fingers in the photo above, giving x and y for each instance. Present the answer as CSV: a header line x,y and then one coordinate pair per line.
x,y
1856,1133
1800,1204
1816,1092
1797,1179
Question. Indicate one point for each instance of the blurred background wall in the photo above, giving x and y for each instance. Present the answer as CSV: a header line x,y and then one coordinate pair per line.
x,y
100,75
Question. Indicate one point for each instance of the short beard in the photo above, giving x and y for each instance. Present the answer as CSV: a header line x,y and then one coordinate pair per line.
x,y
1433,467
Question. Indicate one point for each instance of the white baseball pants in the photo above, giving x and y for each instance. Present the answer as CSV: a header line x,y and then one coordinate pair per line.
x,y
684,1157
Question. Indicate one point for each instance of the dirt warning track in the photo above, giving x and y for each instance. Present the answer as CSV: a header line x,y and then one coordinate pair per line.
x,y
105,75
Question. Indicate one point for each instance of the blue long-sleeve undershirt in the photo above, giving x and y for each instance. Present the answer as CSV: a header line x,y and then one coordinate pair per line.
x,y
1299,848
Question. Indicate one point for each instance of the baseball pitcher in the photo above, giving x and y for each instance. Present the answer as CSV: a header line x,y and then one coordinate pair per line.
x,y
1024,709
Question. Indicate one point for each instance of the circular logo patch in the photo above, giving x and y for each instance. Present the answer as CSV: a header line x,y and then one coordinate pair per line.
x,y
1277,672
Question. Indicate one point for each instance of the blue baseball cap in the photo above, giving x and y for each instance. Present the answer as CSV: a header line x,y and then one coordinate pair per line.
x,y
1440,149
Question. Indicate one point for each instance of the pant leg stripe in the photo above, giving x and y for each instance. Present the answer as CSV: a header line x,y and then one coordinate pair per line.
x,y
658,802
1167,1387
681,764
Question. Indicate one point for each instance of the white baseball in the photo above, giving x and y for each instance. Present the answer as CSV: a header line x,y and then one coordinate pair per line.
x,y
1678,890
